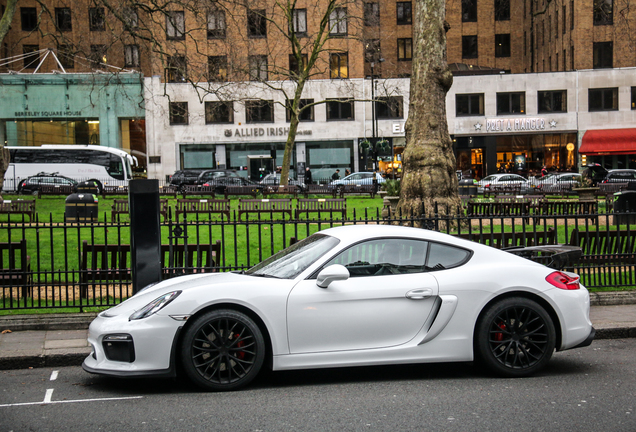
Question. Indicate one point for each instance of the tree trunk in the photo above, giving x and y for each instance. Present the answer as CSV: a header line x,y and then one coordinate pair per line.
x,y
429,163
4,164
5,20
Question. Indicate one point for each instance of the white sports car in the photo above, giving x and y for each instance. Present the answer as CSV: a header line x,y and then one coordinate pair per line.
x,y
348,296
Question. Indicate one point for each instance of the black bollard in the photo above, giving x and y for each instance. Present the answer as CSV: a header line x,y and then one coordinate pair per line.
x,y
145,234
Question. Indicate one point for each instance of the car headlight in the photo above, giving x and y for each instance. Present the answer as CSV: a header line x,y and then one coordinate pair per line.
x,y
154,306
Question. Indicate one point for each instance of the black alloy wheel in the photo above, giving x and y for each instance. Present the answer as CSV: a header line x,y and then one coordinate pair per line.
x,y
515,337
223,350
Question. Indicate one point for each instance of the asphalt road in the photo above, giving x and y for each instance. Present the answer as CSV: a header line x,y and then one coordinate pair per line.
x,y
590,389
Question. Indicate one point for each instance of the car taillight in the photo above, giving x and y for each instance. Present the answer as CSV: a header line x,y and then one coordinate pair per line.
x,y
563,281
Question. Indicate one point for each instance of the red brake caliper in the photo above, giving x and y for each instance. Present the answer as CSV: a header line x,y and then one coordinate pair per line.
x,y
499,336
241,354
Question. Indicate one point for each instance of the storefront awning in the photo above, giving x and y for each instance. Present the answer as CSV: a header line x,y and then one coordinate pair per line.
x,y
609,142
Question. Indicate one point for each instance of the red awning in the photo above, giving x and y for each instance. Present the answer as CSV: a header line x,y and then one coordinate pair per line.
x,y
609,142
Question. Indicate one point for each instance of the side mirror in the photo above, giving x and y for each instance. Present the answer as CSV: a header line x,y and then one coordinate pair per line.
x,y
332,273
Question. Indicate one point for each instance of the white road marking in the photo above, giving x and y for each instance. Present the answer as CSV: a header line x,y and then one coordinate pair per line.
x,y
54,375
49,402
48,395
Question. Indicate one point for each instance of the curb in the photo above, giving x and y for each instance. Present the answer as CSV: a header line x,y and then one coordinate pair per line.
x,y
52,360
612,298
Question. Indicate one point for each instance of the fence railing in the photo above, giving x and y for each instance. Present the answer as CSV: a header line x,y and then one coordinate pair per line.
x,y
52,264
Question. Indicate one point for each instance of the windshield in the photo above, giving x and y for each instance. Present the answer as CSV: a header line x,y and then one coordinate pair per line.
x,y
290,262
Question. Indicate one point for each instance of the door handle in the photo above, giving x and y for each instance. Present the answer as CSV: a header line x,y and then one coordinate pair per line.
x,y
419,294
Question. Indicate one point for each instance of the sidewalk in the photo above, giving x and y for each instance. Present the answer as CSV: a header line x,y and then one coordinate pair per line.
x,y
60,340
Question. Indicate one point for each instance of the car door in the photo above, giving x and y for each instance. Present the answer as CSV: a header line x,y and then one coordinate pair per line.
x,y
383,303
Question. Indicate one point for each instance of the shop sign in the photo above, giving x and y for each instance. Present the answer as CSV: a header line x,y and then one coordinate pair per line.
x,y
257,132
47,113
515,125
398,128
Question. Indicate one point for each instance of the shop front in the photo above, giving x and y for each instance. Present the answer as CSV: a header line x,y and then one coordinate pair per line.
x,y
610,148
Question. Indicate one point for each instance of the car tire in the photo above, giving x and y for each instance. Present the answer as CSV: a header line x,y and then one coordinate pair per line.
x,y
222,350
515,337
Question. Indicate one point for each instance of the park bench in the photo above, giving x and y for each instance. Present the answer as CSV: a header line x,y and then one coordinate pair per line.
x,y
319,189
241,190
605,189
281,190
507,209
186,190
586,209
120,207
501,240
321,205
110,263
114,190
55,190
265,206
347,189
168,191
203,206
20,207
15,266
605,247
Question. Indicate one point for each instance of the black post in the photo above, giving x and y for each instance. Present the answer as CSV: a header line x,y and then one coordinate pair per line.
x,y
145,235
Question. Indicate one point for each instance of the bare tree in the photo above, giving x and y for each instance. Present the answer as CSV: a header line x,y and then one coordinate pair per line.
x,y
429,163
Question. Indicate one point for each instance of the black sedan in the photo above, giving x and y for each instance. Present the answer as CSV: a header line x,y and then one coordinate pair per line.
x,y
33,184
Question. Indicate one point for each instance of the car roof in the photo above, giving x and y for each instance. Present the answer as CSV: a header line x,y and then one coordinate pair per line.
x,y
353,233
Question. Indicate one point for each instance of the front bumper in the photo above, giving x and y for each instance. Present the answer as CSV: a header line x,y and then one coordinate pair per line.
x,y
150,349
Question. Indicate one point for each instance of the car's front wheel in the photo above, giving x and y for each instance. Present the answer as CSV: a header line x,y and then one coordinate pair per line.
x,y
223,350
515,337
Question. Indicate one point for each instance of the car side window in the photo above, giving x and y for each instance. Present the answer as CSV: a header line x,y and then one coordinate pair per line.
x,y
383,257
442,256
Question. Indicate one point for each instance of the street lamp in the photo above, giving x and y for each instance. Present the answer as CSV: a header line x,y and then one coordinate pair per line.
x,y
374,120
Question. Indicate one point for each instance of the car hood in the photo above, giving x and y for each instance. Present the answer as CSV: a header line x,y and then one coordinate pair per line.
x,y
186,284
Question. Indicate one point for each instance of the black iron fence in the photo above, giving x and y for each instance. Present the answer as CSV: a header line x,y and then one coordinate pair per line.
x,y
57,264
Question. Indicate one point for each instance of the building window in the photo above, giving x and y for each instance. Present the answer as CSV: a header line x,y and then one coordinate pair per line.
x,y
389,107
572,15
31,56
131,18
372,50
469,47
556,24
338,22
294,67
256,23
564,58
572,56
177,70
339,65
404,13
219,112
603,55
65,56
306,114
603,12
469,10
96,19
216,24
259,111
564,14
371,14
511,103
63,19
603,99
217,68
339,109
175,25
29,18
502,10
299,22
258,67
502,45
178,113
131,55
405,49
469,104
554,101
634,98
98,56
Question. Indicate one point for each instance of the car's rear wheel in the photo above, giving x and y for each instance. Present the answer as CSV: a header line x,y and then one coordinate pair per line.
x,y
223,350
515,337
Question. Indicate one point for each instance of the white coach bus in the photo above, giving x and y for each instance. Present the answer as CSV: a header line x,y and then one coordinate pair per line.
x,y
107,165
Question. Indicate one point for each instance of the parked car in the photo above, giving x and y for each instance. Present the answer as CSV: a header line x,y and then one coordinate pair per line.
x,y
503,182
620,176
557,182
185,177
208,176
31,185
274,179
595,173
221,183
358,179
403,295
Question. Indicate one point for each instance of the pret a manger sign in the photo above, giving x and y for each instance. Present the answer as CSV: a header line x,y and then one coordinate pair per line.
x,y
515,124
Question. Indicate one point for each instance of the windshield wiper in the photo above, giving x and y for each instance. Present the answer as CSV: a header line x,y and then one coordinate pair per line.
x,y
264,275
